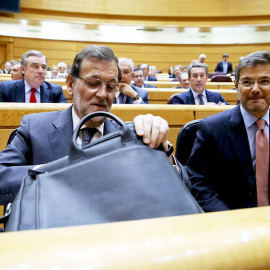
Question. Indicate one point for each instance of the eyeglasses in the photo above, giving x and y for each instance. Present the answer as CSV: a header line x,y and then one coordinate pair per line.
x,y
264,83
94,84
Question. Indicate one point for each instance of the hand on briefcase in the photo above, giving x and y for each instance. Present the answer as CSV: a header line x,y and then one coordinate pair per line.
x,y
115,178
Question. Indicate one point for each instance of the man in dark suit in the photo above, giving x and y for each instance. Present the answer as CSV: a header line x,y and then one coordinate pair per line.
x,y
224,66
222,165
138,78
197,94
147,77
129,94
32,88
45,137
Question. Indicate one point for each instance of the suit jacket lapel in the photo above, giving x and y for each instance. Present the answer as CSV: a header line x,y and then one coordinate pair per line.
x,y
20,91
239,140
109,126
209,96
44,93
60,137
190,97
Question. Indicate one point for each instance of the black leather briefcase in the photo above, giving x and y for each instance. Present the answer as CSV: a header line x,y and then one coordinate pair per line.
x,y
116,178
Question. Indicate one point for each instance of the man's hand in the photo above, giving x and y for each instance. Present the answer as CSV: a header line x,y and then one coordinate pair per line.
x,y
154,130
127,90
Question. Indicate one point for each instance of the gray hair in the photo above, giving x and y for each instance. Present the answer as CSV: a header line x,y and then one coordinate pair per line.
x,y
252,60
62,64
102,53
195,65
31,53
130,62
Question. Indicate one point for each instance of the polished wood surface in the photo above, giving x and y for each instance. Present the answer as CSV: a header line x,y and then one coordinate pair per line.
x,y
161,55
237,239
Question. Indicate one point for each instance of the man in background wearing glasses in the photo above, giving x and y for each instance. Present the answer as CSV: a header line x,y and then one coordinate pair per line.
x,y
226,166
44,137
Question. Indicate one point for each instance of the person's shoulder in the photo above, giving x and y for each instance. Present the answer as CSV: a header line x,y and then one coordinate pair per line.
x,y
11,83
51,85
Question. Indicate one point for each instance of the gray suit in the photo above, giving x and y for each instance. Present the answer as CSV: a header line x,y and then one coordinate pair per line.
x,y
41,138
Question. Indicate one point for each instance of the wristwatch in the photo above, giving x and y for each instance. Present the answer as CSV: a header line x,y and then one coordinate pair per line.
x,y
137,97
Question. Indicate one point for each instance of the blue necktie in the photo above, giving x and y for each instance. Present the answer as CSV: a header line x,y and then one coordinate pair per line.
x,y
87,135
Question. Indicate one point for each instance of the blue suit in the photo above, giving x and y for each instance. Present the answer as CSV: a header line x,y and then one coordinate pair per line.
x,y
219,67
14,91
150,78
220,166
188,98
142,93
41,138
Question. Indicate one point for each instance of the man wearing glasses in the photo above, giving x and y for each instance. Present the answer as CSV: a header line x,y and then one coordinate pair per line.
x,y
44,137
229,164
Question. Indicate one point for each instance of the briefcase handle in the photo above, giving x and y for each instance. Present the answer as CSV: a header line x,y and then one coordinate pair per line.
x,y
76,153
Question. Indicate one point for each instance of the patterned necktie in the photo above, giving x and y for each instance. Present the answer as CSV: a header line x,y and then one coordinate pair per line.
x,y
33,97
121,98
200,96
262,165
87,135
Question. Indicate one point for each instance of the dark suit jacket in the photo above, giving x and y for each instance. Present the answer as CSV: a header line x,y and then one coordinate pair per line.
x,y
14,91
219,67
142,92
220,164
151,78
188,98
41,138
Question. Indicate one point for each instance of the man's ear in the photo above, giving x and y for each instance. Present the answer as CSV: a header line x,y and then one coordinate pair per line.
x,y
70,85
236,85
22,69
133,74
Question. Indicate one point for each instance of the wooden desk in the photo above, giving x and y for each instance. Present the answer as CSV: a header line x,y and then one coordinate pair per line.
x,y
238,239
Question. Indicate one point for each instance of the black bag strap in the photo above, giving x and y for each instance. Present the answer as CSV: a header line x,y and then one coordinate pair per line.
x,y
76,153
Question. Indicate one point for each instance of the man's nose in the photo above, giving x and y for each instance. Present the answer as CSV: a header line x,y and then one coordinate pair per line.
x,y
256,87
101,92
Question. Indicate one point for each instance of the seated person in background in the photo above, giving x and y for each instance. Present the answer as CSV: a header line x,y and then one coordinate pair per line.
x,y
176,73
45,137
226,166
197,94
153,71
32,88
54,72
224,66
129,94
62,70
16,73
147,77
184,81
7,68
170,72
138,78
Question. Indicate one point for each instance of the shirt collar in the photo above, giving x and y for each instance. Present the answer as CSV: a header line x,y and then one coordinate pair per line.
x,y
249,119
28,87
195,94
76,120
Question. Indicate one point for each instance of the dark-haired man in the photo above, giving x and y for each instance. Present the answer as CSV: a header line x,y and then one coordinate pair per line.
x,y
138,78
92,82
227,166
147,77
32,88
224,66
197,94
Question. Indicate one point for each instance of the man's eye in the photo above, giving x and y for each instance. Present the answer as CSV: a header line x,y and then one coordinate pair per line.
x,y
246,83
265,82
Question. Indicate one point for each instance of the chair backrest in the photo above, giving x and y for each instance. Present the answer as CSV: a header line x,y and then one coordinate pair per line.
x,y
210,75
185,141
221,78
170,100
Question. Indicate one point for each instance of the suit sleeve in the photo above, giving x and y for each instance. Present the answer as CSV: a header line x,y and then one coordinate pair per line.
x,y
223,100
61,97
15,161
2,94
202,171
217,68
178,100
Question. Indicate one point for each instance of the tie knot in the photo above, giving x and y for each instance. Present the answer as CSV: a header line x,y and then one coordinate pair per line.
x,y
87,135
260,124
33,90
